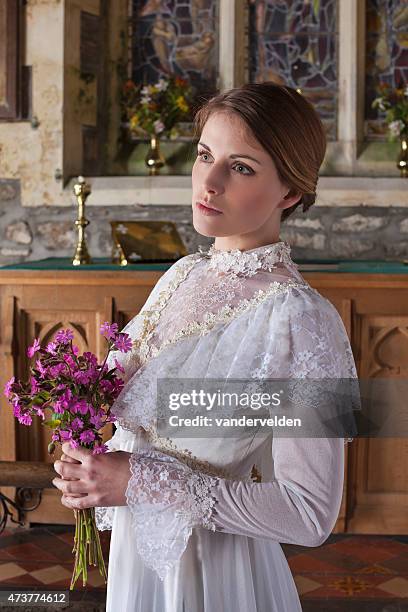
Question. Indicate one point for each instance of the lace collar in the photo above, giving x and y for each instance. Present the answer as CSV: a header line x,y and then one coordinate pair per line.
x,y
247,263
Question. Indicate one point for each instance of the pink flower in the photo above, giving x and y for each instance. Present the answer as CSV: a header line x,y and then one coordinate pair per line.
x,y
69,360
99,449
92,410
74,443
52,348
90,358
65,435
109,331
40,412
55,437
34,348
65,399
110,419
17,408
119,383
96,422
93,375
8,387
58,407
56,370
119,367
77,424
82,377
87,436
41,369
64,336
75,349
123,343
25,419
80,406
106,386
34,386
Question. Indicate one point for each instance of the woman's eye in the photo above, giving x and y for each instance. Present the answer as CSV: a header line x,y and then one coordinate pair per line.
x,y
201,154
245,168
248,170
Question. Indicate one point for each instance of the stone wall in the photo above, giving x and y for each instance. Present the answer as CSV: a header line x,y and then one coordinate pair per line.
x,y
28,234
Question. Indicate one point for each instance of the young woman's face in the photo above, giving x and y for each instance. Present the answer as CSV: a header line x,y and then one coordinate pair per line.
x,y
247,192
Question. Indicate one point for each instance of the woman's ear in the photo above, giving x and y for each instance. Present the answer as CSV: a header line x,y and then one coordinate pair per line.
x,y
291,198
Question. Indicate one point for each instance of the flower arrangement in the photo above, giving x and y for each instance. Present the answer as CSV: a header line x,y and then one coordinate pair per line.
x,y
78,392
395,102
156,109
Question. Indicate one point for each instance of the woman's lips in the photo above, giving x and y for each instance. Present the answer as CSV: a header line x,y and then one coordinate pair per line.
x,y
206,210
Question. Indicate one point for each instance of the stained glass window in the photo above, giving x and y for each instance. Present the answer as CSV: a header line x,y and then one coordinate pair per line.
x,y
296,43
178,37
386,56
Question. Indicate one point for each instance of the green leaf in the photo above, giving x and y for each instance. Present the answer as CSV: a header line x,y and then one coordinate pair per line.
x,y
53,423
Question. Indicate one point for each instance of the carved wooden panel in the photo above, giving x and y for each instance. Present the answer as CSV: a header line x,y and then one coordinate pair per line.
x,y
381,474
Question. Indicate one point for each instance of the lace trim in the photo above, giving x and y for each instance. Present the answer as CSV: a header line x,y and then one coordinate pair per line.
x,y
200,504
151,316
143,350
185,455
104,517
247,263
166,500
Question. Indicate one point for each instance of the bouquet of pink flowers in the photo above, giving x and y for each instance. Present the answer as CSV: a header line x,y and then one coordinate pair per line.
x,y
78,392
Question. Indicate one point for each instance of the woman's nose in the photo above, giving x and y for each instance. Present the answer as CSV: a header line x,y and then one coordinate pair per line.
x,y
213,184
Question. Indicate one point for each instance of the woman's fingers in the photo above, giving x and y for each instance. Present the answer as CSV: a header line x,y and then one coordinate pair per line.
x,y
66,470
69,487
81,453
76,502
68,459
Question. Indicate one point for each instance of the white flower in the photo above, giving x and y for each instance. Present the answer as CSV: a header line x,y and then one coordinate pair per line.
x,y
162,84
158,126
121,229
395,127
379,102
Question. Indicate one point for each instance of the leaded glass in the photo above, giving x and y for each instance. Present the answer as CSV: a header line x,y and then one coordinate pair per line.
x,y
386,56
296,43
175,36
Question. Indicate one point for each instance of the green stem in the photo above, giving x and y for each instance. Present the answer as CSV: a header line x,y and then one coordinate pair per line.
x,y
87,546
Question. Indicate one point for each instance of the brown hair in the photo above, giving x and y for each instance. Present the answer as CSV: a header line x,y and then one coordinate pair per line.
x,y
285,124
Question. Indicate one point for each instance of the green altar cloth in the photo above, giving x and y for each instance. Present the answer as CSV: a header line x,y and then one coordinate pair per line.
x,y
310,265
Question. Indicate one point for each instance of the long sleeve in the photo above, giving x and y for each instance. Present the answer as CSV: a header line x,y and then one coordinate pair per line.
x,y
299,505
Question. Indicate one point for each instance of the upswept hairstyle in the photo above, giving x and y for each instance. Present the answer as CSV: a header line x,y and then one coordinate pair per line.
x,y
285,124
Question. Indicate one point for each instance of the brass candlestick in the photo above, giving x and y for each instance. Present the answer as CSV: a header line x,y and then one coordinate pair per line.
x,y
154,160
81,190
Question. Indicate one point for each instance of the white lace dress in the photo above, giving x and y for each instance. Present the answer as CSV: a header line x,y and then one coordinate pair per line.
x,y
201,530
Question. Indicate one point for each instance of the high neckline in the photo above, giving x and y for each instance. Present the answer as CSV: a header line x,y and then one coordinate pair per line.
x,y
247,262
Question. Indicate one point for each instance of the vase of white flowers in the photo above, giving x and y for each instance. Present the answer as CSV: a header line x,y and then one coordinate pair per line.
x,y
154,111
394,102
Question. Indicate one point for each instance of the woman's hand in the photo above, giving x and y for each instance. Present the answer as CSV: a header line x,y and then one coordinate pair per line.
x,y
92,480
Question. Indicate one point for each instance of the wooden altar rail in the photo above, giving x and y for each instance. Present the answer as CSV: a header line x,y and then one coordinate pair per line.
x,y
31,474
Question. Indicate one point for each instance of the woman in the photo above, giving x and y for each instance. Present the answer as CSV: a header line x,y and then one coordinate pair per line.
x,y
197,522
